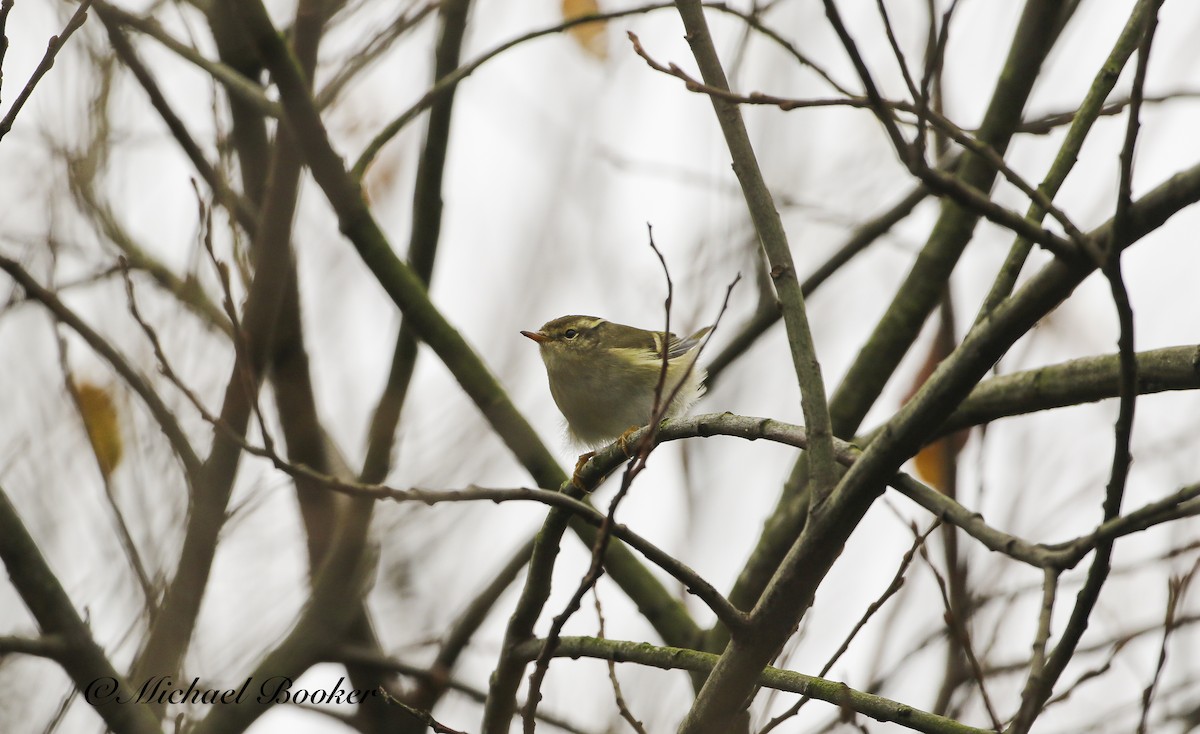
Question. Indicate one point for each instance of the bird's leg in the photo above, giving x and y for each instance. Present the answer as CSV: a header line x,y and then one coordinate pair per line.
x,y
623,440
583,459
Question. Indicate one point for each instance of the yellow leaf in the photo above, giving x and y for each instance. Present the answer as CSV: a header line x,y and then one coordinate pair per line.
x,y
931,464
935,460
99,414
590,36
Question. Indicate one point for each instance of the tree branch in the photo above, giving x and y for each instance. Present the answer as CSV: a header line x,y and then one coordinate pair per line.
x,y
82,659
838,694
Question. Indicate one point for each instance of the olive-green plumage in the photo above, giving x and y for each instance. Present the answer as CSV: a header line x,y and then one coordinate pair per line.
x,y
603,375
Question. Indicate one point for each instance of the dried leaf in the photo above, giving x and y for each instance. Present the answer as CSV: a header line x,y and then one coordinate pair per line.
x,y
99,413
592,36
932,462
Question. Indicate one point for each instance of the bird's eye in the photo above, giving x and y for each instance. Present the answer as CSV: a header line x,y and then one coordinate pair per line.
x,y
570,333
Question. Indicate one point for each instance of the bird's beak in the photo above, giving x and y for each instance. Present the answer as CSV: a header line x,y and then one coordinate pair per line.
x,y
537,336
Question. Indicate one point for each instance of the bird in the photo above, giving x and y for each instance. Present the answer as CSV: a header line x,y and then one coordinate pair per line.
x,y
603,375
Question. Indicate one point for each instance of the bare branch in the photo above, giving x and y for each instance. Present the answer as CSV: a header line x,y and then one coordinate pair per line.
x,y
52,48
83,659
838,694
892,589
162,414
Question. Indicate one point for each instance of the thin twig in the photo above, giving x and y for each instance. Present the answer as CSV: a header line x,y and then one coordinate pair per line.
x,y
418,714
1176,588
52,48
1123,428
931,77
901,63
891,590
959,629
1037,660
372,51
659,408
935,179
622,705
6,7
239,337
1051,121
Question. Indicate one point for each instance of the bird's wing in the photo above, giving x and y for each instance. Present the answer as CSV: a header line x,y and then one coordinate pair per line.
x,y
677,347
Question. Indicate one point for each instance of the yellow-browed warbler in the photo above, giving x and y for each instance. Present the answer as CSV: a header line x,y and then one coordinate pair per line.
x,y
603,375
